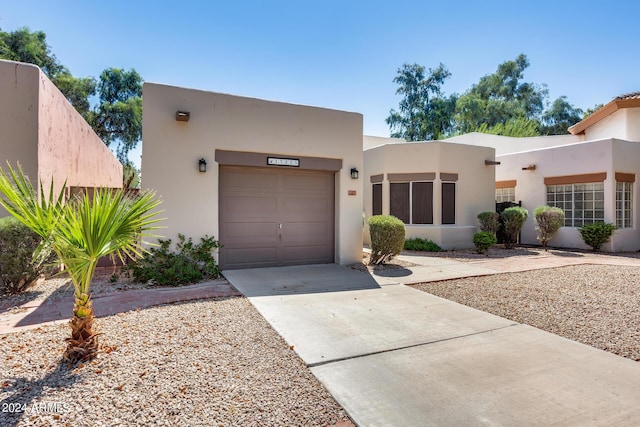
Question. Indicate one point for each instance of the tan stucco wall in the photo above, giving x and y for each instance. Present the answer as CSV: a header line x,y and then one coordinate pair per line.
x,y
474,188
633,125
40,130
585,158
19,116
68,148
508,145
171,151
612,126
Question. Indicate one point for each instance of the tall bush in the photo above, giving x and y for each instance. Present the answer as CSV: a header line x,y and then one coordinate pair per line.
x,y
387,238
513,219
595,235
489,222
548,222
20,263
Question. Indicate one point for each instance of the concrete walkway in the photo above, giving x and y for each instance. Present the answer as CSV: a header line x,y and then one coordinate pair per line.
x,y
395,356
435,268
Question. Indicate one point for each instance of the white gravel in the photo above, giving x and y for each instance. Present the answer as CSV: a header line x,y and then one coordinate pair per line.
x,y
597,305
208,362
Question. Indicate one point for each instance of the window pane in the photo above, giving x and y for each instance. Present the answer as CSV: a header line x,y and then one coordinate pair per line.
x,y
448,203
399,201
422,202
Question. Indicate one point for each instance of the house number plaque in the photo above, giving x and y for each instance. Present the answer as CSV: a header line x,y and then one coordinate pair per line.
x,y
283,161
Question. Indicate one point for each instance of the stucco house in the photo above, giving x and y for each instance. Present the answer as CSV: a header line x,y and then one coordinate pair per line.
x,y
276,183
590,173
40,130
437,189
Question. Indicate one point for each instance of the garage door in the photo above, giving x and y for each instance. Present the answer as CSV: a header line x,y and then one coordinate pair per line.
x,y
273,217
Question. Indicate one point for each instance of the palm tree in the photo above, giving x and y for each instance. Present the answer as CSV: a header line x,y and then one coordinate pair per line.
x,y
81,230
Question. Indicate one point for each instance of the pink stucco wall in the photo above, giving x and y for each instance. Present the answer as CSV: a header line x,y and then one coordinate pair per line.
x,y
68,149
19,116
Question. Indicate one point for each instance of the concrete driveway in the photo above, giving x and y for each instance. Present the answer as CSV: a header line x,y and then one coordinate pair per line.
x,y
393,355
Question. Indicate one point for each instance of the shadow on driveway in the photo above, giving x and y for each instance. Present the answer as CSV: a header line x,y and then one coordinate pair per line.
x,y
296,280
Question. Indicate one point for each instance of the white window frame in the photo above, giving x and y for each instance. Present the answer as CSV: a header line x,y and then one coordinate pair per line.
x,y
624,204
575,198
506,194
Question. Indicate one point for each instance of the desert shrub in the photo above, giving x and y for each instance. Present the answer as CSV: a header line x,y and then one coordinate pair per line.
x,y
19,268
424,245
489,222
387,238
548,222
189,263
484,240
513,219
595,235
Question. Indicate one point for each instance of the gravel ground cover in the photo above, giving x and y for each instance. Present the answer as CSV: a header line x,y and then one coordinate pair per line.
x,y
597,305
202,363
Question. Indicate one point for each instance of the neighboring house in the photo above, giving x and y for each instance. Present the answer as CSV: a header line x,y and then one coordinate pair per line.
x,y
590,174
436,188
41,131
271,181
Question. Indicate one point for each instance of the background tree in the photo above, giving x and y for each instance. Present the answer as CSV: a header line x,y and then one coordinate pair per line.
x,y
424,113
117,118
559,117
500,97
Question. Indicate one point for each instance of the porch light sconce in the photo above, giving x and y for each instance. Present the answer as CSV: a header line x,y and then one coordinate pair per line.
x,y
491,162
182,116
529,168
354,173
202,165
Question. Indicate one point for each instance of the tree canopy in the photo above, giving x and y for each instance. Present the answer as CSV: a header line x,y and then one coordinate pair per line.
x,y
424,112
116,118
501,103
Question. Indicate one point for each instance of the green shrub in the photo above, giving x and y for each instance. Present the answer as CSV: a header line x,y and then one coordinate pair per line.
x,y
489,222
424,245
548,222
387,238
595,235
484,240
190,263
19,267
513,219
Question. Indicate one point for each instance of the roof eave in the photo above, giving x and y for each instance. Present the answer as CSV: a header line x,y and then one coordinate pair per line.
x,y
603,112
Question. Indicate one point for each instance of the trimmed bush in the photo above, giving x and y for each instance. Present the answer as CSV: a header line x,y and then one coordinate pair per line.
x,y
190,263
484,240
489,222
19,268
513,219
548,222
595,235
424,245
387,238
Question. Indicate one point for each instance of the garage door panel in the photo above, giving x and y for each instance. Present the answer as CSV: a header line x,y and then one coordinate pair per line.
x,y
307,231
307,208
240,257
311,183
275,216
238,180
305,254
243,233
251,206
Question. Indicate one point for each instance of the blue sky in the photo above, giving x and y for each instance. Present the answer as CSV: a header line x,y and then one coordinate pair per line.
x,y
343,54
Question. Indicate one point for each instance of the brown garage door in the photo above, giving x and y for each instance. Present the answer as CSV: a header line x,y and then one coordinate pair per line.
x,y
271,217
